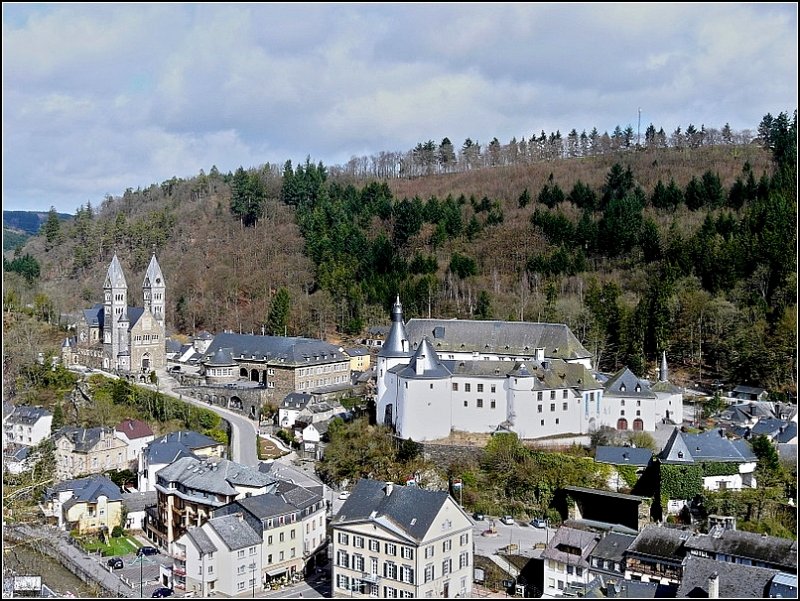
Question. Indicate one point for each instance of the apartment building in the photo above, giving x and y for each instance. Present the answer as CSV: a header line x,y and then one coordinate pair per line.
x,y
393,541
80,451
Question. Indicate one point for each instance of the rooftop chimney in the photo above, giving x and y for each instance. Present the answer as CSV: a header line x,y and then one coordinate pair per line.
x,y
713,586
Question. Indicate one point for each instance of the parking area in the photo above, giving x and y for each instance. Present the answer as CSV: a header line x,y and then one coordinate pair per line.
x,y
141,573
516,539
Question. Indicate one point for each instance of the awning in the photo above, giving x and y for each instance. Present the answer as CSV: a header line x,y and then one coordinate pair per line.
x,y
275,572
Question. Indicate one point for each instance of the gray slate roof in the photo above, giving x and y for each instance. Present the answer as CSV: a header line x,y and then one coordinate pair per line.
x,y
213,475
260,506
747,390
396,343
137,501
114,276
296,400
275,350
94,315
28,415
624,383
570,537
781,552
712,445
735,581
356,352
234,532
166,452
201,540
511,338
190,439
432,367
87,489
623,456
84,439
612,546
410,508
662,543
287,473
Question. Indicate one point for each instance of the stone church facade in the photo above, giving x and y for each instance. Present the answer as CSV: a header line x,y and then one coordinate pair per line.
x,y
116,337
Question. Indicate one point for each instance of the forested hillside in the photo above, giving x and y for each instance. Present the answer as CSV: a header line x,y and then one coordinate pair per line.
x,y
679,245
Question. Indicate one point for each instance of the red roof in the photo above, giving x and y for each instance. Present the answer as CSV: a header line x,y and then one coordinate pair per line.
x,y
134,428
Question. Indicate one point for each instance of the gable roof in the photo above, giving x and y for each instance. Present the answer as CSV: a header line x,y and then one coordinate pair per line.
x,y
712,445
612,546
87,489
134,428
748,390
509,338
214,475
736,581
166,452
660,543
26,415
236,533
296,400
83,439
190,439
275,349
137,501
201,540
623,456
781,552
567,538
356,352
624,383
409,508
94,315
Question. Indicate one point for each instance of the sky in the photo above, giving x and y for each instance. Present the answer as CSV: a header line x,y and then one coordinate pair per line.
x,y
98,98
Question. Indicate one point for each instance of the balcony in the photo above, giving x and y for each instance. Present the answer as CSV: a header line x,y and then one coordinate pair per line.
x,y
371,578
180,571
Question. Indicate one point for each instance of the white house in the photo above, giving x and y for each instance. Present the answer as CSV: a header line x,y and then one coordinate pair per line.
x,y
566,560
291,406
26,426
401,541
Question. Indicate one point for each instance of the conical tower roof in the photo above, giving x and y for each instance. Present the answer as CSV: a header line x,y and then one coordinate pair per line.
x,y
153,275
662,374
394,345
115,278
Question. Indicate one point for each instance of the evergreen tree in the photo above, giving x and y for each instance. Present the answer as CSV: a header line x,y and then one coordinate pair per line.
x,y
51,229
483,308
524,199
279,310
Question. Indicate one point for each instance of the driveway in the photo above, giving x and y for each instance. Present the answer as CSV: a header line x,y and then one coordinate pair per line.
x,y
525,537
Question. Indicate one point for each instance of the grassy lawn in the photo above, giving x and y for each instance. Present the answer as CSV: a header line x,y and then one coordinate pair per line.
x,y
117,546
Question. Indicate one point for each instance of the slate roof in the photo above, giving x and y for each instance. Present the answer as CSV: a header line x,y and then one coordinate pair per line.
x,y
114,276
16,453
736,581
287,473
396,343
260,506
222,357
296,400
166,452
275,350
565,538
661,543
781,552
87,489
94,315
624,384
432,367
788,433
153,275
297,495
748,390
234,532
612,546
783,585
192,440
623,456
356,352
712,445
28,416
137,501
134,428
409,508
84,439
201,540
213,475
510,338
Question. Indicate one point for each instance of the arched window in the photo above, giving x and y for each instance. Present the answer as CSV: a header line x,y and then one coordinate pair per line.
x,y
622,424
638,425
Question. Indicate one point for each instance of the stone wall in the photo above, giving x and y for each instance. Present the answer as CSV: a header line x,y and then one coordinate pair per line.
x,y
444,455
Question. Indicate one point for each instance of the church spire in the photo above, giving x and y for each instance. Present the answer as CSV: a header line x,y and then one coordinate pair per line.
x,y
662,373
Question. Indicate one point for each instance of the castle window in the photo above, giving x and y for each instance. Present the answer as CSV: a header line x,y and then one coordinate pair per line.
x,y
480,403
467,387
455,386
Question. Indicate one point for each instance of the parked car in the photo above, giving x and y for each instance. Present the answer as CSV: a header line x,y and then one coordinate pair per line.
x,y
478,516
175,369
115,563
163,592
343,495
539,523
508,520
146,551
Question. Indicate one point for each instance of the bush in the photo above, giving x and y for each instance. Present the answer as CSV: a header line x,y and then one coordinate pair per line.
x,y
117,532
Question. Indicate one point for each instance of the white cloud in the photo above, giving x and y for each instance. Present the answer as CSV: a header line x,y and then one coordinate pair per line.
x,y
98,98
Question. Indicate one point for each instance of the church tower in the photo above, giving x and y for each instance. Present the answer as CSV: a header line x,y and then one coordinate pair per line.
x,y
154,290
115,305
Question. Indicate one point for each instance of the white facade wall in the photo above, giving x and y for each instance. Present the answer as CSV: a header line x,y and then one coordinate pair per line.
x,y
733,482
313,531
614,408
28,435
557,576
669,406
135,446
471,400
287,417
387,386
425,410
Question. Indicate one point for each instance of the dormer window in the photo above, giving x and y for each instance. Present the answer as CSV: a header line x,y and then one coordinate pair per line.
x,y
680,454
638,388
622,387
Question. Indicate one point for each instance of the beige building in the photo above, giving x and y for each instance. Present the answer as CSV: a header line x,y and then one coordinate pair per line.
x,y
359,358
401,541
85,505
81,451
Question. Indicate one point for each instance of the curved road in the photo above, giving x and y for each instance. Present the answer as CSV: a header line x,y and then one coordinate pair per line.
x,y
243,430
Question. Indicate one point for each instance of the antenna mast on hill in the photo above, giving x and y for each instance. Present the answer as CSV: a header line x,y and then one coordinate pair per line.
x,y
639,129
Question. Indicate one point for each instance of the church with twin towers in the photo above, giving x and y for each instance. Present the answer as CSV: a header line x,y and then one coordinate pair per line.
x,y
116,337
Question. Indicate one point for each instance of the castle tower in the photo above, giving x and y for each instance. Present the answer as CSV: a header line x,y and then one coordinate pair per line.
x,y
115,303
154,291
395,350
